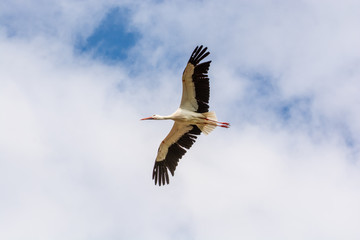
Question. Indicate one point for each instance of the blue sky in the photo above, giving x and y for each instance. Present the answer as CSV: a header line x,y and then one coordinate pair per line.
x,y
112,38
76,162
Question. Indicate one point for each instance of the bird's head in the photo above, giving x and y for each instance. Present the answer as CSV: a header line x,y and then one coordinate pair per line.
x,y
153,117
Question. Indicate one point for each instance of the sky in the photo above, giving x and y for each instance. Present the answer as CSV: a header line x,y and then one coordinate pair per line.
x,y
76,162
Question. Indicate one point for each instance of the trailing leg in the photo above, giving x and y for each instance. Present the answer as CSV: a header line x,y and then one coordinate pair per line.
x,y
218,123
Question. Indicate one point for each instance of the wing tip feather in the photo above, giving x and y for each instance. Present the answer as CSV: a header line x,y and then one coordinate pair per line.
x,y
160,173
198,54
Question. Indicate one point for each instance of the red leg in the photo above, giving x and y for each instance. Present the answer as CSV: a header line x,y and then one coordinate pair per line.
x,y
222,123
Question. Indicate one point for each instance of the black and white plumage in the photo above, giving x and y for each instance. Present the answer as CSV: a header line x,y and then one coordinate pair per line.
x,y
191,118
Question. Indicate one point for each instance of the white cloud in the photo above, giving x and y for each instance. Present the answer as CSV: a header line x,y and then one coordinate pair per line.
x,y
76,161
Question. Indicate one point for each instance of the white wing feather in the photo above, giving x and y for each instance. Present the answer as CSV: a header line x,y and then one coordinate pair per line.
x,y
176,132
188,100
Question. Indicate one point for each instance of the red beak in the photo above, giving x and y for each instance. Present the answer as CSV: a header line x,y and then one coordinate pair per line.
x,y
148,118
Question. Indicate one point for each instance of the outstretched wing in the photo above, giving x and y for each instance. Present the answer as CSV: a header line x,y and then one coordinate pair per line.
x,y
196,90
172,148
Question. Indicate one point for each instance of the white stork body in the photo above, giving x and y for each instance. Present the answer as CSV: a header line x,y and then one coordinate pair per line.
x,y
191,118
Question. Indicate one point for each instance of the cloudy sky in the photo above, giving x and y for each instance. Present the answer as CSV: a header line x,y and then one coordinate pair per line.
x,y
76,162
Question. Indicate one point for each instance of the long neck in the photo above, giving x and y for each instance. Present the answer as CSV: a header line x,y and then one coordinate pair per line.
x,y
164,117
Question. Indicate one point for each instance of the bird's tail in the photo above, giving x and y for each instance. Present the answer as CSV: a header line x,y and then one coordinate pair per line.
x,y
208,126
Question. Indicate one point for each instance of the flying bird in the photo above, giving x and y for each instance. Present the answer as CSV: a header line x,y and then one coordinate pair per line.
x,y
191,118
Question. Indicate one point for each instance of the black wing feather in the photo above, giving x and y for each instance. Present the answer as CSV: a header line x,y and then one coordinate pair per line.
x,y
175,152
200,78
197,56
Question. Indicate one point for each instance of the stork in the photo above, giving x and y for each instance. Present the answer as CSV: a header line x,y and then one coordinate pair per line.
x,y
191,118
